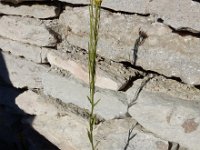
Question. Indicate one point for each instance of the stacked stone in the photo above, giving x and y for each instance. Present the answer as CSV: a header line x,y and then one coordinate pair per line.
x,y
44,50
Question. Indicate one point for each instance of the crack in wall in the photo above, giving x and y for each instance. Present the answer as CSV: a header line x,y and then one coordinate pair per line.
x,y
68,107
146,72
146,79
184,32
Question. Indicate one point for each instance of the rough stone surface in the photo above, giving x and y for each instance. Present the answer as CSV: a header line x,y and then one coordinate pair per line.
x,y
109,75
181,15
167,116
20,73
27,30
113,43
37,11
136,6
20,1
71,91
167,106
172,88
30,52
34,104
113,135
170,54
179,55
68,132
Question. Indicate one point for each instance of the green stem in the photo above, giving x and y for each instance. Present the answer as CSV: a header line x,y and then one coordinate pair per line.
x,y
92,47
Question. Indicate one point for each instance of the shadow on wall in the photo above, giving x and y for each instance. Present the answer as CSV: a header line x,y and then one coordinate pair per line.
x,y
16,133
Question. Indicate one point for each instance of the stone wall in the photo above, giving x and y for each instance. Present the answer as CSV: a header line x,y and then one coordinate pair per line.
x,y
153,88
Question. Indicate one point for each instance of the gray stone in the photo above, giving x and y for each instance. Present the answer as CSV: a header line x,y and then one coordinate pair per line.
x,y
113,43
136,6
37,11
108,76
163,51
30,52
27,30
172,88
67,132
20,72
113,135
34,104
69,90
168,116
181,15
20,1
170,54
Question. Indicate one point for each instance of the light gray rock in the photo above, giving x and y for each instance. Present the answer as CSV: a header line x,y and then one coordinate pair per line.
x,y
109,75
34,104
37,11
69,90
113,135
30,52
67,132
113,43
170,54
181,15
136,6
20,1
172,88
27,30
163,51
170,117
20,72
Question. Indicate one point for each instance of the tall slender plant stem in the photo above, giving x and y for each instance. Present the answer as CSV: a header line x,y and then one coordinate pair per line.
x,y
94,9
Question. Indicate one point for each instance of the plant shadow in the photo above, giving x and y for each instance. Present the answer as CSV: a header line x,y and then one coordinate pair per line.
x,y
130,136
139,41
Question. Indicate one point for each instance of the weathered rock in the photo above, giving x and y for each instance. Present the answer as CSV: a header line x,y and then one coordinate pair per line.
x,y
30,52
171,117
27,30
136,6
68,132
170,54
69,90
37,11
35,104
20,72
113,135
173,88
181,15
163,51
20,1
113,43
109,75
